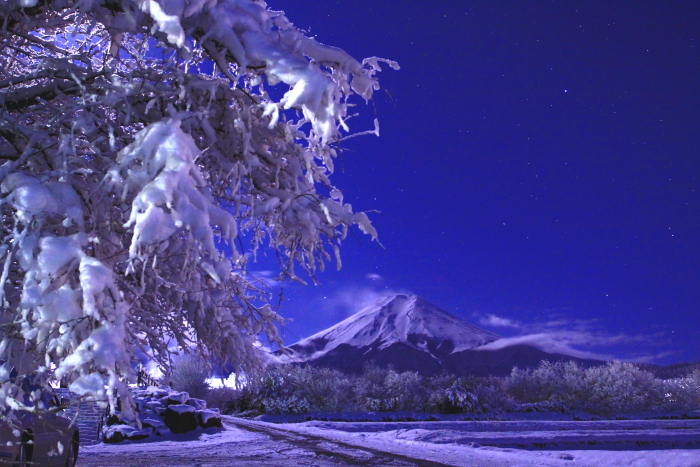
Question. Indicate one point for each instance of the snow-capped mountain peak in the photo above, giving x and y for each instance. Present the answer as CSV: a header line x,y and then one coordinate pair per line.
x,y
396,319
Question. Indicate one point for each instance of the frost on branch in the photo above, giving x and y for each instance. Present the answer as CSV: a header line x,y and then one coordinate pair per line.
x,y
138,142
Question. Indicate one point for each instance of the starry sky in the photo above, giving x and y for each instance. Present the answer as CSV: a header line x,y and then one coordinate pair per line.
x,y
537,171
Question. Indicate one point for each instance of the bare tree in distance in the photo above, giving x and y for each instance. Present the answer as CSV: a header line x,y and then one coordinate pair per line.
x,y
138,142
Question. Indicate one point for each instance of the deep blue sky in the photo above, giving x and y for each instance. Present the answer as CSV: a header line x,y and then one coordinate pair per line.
x,y
537,170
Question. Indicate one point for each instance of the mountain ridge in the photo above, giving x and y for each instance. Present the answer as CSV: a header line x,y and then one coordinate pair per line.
x,y
411,334
398,318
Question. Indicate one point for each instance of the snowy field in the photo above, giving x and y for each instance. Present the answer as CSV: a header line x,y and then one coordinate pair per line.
x,y
609,434
662,443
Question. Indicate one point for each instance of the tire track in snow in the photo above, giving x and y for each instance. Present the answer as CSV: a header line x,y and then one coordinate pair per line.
x,y
333,449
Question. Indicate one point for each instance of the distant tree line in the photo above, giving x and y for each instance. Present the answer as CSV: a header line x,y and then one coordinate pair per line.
x,y
551,387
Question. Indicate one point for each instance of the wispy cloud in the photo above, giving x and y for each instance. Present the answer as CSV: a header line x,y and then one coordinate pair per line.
x,y
558,343
583,338
345,300
350,300
498,322
652,358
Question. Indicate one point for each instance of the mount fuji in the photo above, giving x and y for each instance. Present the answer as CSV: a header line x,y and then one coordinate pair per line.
x,y
411,334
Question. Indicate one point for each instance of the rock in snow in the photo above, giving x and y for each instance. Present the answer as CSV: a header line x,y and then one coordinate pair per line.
x,y
209,418
162,412
198,404
180,418
176,398
118,433
412,334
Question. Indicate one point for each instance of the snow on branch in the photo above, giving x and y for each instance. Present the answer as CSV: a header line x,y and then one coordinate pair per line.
x,y
144,164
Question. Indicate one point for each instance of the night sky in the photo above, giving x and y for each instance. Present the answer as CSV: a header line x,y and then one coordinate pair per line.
x,y
537,172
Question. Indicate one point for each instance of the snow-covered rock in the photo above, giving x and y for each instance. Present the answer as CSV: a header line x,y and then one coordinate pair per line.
x,y
162,431
118,433
152,405
175,398
152,422
154,391
180,418
140,434
161,412
198,404
208,418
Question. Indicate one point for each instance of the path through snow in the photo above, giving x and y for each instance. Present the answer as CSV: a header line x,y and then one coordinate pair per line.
x,y
235,446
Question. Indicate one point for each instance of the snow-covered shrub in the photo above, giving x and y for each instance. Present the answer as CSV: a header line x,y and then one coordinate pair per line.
x,y
682,393
492,394
437,399
242,399
615,387
622,387
374,375
272,391
526,387
385,390
318,389
323,388
561,382
441,381
450,394
295,389
693,383
371,390
372,404
549,381
459,399
292,405
189,374
406,391
219,397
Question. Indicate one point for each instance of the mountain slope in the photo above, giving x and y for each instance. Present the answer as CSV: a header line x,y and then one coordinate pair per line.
x,y
411,334
409,320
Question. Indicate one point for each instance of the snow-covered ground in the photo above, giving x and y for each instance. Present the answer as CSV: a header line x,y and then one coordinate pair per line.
x,y
545,443
609,434
559,443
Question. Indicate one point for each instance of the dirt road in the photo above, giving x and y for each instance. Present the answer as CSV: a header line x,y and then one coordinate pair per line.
x,y
243,444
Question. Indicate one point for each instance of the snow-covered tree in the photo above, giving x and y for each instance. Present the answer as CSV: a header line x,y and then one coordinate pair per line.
x,y
140,140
